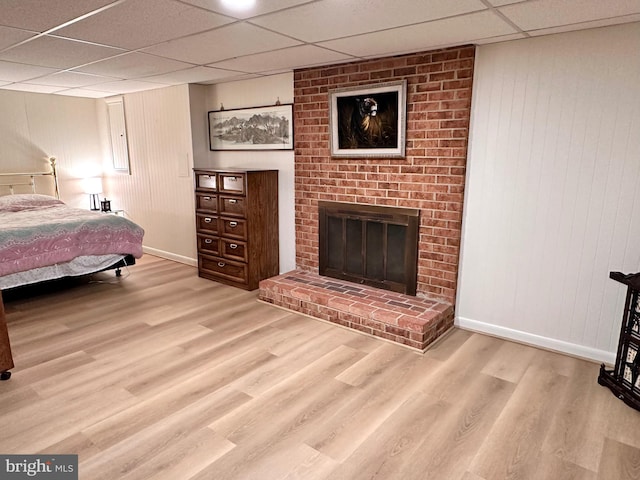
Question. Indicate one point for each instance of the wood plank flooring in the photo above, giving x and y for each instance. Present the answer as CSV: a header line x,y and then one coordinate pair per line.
x,y
163,375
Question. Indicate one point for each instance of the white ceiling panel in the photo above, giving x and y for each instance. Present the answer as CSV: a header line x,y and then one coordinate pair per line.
x,y
133,65
70,80
41,15
499,3
25,87
225,42
125,86
259,8
168,42
10,36
142,23
499,38
594,24
17,72
191,75
56,52
553,13
81,92
319,21
288,58
453,31
242,76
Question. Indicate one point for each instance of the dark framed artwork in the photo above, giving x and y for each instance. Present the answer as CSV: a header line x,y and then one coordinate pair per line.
x,y
368,121
257,128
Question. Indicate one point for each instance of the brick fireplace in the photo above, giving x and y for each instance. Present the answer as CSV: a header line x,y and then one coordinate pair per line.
x,y
430,179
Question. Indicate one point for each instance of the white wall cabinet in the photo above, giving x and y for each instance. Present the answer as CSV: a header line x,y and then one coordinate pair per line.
x,y
118,134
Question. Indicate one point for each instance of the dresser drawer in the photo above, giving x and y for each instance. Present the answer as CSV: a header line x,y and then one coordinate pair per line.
x,y
232,206
233,228
233,250
207,223
208,244
227,269
206,181
207,202
232,183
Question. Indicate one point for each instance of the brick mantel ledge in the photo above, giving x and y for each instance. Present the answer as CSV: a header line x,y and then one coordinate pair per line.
x,y
415,322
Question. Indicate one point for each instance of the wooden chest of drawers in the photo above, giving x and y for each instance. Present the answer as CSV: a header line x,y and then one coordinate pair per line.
x,y
237,225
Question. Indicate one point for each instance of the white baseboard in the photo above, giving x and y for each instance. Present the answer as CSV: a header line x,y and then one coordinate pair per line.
x,y
170,256
573,349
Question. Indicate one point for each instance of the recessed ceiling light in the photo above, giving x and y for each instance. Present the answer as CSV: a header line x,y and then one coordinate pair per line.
x,y
239,4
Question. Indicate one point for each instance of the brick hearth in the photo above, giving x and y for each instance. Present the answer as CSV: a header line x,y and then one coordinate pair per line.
x,y
412,321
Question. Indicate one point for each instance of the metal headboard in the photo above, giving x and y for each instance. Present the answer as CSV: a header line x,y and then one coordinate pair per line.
x,y
29,179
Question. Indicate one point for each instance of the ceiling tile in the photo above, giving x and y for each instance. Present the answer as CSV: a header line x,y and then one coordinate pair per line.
x,y
335,18
70,80
10,36
240,76
440,33
125,86
225,42
81,92
500,38
191,75
259,9
57,52
201,41
288,58
499,3
23,87
553,13
133,65
594,24
142,23
39,16
17,72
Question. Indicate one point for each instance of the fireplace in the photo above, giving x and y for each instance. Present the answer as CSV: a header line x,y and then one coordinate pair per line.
x,y
369,244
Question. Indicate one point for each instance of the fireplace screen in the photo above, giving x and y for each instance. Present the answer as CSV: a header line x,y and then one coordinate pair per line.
x,y
369,244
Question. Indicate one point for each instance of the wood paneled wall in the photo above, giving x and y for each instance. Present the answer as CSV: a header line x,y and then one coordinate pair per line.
x,y
35,126
158,194
553,198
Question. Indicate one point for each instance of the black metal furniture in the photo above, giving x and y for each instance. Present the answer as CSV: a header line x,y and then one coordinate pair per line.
x,y
624,379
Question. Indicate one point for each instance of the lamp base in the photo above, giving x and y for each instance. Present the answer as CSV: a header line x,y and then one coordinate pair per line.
x,y
94,200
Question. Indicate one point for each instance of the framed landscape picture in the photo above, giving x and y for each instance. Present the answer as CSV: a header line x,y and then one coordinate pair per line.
x,y
258,128
368,121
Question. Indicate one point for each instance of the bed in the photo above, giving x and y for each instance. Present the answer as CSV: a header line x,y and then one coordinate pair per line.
x,y
42,239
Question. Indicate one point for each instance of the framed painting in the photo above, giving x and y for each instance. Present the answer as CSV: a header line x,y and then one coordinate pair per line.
x,y
368,121
258,128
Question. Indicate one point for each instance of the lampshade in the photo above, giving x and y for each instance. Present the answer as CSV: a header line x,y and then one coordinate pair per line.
x,y
92,185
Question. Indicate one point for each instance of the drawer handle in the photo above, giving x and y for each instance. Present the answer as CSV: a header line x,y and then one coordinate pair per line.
x,y
208,240
221,264
233,224
207,198
233,201
233,246
207,220
208,177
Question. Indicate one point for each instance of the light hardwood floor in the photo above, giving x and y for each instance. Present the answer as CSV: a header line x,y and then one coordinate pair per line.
x,y
163,375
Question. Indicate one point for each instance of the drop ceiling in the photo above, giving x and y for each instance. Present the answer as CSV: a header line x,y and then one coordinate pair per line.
x,y
98,48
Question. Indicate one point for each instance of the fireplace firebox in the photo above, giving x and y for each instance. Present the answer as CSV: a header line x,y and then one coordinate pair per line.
x,y
369,244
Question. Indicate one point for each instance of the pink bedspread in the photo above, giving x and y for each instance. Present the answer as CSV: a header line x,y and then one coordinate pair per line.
x,y
39,234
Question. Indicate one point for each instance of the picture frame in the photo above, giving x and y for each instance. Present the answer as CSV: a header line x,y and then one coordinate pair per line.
x,y
368,120
255,128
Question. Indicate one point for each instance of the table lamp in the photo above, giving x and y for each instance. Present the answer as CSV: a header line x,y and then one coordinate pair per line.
x,y
93,186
